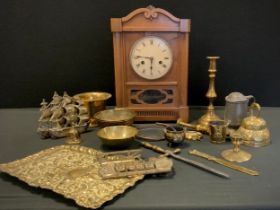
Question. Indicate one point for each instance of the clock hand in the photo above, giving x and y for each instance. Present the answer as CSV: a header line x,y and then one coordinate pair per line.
x,y
147,57
151,67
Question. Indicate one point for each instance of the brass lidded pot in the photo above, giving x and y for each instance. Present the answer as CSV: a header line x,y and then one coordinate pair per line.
x,y
254,129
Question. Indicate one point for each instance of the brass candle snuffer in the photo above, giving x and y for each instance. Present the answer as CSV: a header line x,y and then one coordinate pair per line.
x,y
211,94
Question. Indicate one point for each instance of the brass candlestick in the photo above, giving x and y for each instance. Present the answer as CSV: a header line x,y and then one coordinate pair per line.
x,y
236,154
211,94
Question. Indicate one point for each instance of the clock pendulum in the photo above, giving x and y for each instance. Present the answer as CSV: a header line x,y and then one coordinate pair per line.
x,y
211,94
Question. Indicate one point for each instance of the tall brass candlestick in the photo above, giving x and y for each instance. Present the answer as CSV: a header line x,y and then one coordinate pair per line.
x,y
211,94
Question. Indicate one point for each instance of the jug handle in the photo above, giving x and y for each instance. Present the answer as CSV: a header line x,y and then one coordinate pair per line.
x,y
251,99
257,107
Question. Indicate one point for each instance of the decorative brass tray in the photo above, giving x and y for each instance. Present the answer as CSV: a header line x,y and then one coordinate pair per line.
x,y
72,171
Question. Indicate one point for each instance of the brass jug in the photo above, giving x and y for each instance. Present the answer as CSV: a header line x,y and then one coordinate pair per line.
x,y
253,128
236,108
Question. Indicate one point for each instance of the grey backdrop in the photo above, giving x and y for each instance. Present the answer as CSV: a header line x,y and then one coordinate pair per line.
x,y
48,45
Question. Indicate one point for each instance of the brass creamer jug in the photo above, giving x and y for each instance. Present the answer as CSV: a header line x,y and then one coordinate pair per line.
x,y
236,108
253,128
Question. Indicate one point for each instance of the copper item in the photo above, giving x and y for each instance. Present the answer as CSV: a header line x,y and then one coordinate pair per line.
x,y
112,117
94,102
254,129
72,171
236,154
60,114
132,167
224,162
218,131
211,94
185,160
117,136
236,108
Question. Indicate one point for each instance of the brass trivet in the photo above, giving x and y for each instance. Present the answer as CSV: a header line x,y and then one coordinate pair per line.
x,y
72,171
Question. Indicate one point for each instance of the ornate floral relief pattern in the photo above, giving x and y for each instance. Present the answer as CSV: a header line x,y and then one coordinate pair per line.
x,y
71,171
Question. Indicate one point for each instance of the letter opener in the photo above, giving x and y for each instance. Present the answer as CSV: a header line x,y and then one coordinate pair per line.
x,y
224,162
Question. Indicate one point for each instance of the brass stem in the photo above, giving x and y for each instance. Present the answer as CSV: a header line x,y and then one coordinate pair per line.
x,y
236,145
211,93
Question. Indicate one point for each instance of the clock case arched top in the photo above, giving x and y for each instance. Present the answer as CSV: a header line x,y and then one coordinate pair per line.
x,y
150,19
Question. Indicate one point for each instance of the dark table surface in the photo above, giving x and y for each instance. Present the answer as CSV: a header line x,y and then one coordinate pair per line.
x,y
188,188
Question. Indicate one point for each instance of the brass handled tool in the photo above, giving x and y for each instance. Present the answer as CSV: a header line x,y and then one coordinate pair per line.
x,y
224,162
198,127
185,160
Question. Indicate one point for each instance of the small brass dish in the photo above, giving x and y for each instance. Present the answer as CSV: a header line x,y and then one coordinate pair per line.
x,y
112,117
117,136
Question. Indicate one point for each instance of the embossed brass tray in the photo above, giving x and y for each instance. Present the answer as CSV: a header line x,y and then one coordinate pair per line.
x,y
72,171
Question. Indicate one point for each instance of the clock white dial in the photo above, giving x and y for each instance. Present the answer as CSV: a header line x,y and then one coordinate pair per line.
x,y
151,57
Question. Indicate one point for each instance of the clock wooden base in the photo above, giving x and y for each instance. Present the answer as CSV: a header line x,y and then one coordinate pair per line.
x,y
161,114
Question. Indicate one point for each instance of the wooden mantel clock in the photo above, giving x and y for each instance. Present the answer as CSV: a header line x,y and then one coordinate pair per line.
x,y
151,64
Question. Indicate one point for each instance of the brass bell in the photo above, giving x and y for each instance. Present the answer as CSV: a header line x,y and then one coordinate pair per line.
x,y
253,128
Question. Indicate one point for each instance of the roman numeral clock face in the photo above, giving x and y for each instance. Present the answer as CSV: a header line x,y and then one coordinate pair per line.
x,y
151,57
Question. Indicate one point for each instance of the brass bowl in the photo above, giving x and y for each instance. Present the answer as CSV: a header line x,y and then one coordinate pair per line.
x,y
117,136
94,102
112,117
